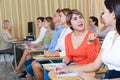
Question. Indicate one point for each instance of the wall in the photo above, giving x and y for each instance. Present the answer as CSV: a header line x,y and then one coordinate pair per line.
x,y
19,12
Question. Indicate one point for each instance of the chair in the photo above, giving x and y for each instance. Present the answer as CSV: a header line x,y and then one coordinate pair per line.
x,y
5,58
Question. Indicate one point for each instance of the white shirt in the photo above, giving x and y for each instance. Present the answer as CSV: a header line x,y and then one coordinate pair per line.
x,y
61,41
111,54
42,32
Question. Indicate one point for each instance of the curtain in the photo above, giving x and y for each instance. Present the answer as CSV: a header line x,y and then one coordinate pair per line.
x,y
97,9
19,12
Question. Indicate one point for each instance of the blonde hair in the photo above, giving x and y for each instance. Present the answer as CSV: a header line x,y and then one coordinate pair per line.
x,y
3,25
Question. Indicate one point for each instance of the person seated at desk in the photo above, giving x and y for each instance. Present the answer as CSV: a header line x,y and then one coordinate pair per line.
x,y
40,24
6,40
93,22
36,68
60,47
49,25
110,51
77,23
82,46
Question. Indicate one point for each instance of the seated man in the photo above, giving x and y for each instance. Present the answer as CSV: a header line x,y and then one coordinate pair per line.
x,y
40,25
46,40
37,68
60,32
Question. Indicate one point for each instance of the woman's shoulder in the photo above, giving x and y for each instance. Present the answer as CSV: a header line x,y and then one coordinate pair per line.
x,y
111,33
68,35
4,31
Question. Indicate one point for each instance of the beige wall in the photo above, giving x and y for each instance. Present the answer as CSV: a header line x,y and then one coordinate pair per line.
x,y
19,12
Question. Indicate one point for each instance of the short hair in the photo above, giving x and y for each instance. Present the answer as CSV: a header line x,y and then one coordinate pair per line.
x,y
58,10
4,21
69,16
50,19
41,18
94,19
65,11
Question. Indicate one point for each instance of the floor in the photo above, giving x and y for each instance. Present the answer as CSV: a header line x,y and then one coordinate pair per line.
x,y
5,69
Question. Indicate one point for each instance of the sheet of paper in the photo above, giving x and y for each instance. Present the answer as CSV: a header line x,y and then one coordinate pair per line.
x,y
54,64
41,55
67,75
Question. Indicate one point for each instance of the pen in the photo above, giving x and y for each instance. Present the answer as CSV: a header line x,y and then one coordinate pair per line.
x,y
68,63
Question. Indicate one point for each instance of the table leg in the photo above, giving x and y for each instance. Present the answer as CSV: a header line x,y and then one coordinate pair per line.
x,y
14,46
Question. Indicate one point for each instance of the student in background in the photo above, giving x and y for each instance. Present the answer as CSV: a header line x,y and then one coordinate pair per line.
x,y
60,47
82,46
49,25
40,24
6,40
37,69
93,22
58,29
46,40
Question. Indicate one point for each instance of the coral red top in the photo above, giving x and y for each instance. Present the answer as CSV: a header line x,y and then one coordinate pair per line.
x,y
85,53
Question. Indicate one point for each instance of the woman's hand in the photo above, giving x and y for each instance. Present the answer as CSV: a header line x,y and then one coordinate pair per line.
x,y
58,69
47,53
41,46
62,69
20,39
66,60
85,76
35,45
91,38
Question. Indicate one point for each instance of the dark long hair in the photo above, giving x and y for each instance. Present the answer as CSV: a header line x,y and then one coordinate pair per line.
x,y
114,5
94,19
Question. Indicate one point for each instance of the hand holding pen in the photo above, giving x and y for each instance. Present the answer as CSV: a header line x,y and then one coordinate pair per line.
x,y
62,69
66,60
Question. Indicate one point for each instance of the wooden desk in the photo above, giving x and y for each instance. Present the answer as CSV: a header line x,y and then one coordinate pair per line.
x,y
50,67
53,76
100,71
43,58
32,51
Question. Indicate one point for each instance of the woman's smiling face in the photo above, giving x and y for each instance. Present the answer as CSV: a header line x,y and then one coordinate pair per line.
x,y
77,22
